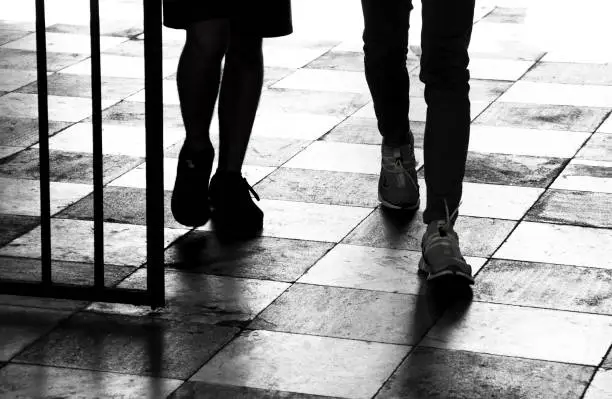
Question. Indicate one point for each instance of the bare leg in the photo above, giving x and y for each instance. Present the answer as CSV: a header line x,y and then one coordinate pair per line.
x,y
198,78
240,92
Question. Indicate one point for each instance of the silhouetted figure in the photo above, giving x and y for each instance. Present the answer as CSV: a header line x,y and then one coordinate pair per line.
x,y
218,30
445,37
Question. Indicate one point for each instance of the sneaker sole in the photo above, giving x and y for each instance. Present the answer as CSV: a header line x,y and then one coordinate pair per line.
x,y
450,271
398,207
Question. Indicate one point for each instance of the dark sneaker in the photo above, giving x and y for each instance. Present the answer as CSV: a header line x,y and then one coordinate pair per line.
x,y
189,204
398,187
441,257
234,213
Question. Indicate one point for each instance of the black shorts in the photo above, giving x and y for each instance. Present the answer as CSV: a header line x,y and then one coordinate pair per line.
x,y
260,18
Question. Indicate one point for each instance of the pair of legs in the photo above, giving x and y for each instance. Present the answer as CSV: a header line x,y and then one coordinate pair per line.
x,y
200,81
445,37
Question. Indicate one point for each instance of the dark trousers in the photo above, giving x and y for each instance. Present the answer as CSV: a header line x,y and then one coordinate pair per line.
x,y
445,36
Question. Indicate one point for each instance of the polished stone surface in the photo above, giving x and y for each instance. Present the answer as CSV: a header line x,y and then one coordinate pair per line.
x,y
331,285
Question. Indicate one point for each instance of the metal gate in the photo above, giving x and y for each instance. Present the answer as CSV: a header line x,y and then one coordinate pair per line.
x,y
154,294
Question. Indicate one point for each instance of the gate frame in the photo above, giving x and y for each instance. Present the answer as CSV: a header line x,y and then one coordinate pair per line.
x,y
154,295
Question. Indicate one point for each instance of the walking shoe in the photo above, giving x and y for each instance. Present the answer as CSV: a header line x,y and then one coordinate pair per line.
x,y
234,213
189,202
398,187
441,257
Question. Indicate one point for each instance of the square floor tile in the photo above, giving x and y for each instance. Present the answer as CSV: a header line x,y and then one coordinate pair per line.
x,y
521,141
132,113
67,167
580,208
293,55
552,243
8,35
349,313
478,236
498,201
542,116
24,269
22,197
543,334
341,61
324,80
69,85
320,186
19,380
601,386
498,69
301,363
25,60
207,299
203,390
12,226
307,221
11,79
64,43
265,258
312,102
570,73
272,151
23,132
120,67
514,170
597,148
116,139
121,205
367,268
365,131
507,15
21,326
559,94
286,125
274,74
342,157
434,373
64,109
574,288
142,346
72,240
586,175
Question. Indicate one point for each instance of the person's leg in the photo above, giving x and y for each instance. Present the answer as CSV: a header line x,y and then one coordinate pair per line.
x,y
234,213
239,98
445,37
198,78
385,48
385,38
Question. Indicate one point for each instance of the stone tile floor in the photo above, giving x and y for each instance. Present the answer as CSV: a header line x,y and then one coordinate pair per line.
x,y
327,303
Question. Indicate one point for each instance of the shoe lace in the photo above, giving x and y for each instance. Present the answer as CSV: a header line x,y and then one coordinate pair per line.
x,y
445,227
251,189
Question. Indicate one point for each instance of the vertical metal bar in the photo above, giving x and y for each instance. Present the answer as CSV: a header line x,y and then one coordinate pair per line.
x,y
43,136
96,105
154,151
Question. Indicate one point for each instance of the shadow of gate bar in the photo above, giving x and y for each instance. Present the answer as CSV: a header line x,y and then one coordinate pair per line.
x,y
154,294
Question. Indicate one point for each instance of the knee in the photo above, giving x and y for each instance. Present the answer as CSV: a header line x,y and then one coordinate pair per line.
x,y
245,49
208,40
